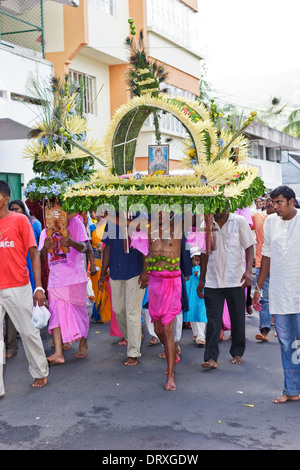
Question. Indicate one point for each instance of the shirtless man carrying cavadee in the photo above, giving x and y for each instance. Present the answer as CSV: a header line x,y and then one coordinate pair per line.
x,y
163,265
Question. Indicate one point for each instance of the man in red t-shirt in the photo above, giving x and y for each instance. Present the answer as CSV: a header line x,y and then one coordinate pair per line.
x,y
16,240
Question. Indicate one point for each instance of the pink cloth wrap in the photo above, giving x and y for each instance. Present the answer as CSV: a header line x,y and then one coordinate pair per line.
x,y
140,242
67,306
164,295
196,239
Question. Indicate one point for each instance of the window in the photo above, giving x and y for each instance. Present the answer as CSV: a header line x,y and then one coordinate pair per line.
x,y
176,92
174,20
273,155
15,182
104,5
167,121
87,84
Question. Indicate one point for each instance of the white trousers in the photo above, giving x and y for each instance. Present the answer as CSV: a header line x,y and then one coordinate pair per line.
x,y
199,330
17,302
177,325
127,299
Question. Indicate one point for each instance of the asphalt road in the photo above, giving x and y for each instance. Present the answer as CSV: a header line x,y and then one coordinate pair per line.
x,y
99,404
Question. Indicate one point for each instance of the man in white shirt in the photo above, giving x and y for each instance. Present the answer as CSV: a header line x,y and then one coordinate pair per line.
x,y
225,277
281,258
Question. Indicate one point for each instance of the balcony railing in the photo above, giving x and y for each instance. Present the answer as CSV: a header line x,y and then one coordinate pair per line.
x,y
22,26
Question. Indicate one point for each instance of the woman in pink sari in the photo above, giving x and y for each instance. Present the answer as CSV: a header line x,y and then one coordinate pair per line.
x,y
67,289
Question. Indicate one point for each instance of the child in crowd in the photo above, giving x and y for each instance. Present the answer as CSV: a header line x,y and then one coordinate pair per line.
x,y
196,314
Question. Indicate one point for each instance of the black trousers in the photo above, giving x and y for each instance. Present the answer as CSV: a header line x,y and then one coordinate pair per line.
x,y
214,303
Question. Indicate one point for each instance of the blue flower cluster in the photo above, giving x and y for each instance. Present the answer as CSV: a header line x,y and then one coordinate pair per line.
x,y
45,141
77,137
57,174
31,188
54,189
222,142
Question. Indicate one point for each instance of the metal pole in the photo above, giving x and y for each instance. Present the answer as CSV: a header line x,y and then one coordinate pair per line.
x,y
42,26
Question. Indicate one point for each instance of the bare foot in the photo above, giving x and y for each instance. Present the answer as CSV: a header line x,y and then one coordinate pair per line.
x,y
123,342
261,337
285,398
131,361
237,360
39,382
210,364
82,350
81,354
177,348
162,355
67,346
8,355
153,341
170,385
56,360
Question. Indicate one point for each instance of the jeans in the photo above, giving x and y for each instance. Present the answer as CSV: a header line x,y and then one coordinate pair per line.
x,y
288,331
264,315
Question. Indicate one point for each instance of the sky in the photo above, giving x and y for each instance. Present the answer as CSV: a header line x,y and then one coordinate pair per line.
x,y
244,39
251,52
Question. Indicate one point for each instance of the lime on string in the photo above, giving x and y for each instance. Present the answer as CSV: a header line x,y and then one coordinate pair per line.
x,y
166,267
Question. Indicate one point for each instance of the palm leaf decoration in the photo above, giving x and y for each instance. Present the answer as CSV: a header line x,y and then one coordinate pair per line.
x,y
58,144
144,75
293,126
61,121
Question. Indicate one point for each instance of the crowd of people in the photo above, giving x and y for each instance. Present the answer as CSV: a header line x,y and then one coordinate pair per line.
x,y
157,275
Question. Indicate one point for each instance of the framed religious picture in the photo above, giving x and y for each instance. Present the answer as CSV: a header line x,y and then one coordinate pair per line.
x,y
57,223
158,159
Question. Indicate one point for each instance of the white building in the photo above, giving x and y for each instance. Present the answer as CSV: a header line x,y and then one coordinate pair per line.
x,y
21,56
86,38
272,151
